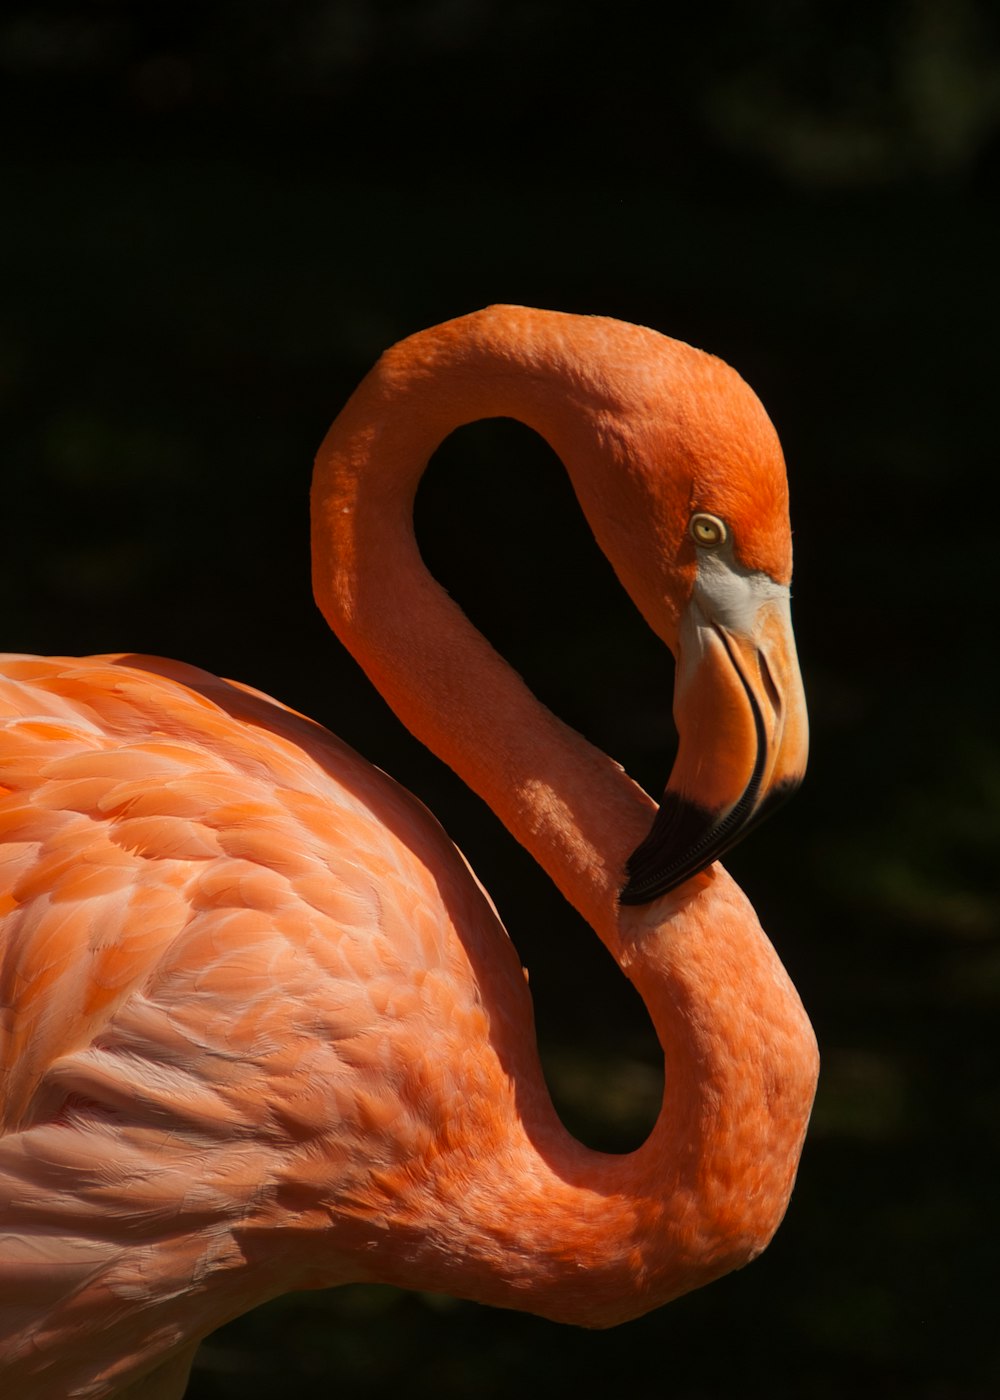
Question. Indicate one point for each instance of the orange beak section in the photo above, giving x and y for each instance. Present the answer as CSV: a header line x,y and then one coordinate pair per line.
x,y
744,739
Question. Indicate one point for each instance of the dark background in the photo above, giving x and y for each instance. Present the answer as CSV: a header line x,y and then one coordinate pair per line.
x,y
216,216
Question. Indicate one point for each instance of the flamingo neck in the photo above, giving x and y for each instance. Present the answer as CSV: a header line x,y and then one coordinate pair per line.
x,y
525,1227
569,804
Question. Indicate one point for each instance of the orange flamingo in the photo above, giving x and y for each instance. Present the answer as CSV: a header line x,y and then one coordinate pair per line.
x,y
261,1027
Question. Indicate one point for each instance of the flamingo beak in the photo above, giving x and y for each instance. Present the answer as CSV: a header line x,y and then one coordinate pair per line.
x,y
740,712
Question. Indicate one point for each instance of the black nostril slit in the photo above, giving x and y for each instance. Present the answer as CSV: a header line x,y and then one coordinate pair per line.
x,y
770,689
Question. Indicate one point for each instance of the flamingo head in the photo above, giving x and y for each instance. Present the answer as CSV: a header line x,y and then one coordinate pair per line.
x,y
739,709
693,514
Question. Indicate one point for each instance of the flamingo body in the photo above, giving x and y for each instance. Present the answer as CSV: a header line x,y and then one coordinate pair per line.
x,y
262,1029
176,849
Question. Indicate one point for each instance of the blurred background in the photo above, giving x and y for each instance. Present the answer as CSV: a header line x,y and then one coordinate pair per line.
x,y
216,215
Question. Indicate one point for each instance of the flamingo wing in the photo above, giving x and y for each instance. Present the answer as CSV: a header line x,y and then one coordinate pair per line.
x,y
196,873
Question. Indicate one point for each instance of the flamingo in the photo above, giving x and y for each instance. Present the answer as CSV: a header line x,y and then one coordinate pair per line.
x,y
262,1029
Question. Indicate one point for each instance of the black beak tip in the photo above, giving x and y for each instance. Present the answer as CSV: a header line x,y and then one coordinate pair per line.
x,y
686,838
678,846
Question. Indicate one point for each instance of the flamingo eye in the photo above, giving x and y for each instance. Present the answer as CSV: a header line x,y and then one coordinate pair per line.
x,y
708,531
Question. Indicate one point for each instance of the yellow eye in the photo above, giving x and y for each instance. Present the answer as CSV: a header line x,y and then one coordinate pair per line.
x,y
708,531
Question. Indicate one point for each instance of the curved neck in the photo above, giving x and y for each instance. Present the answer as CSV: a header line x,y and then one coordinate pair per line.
x,y
572,807
520,1215
708,1189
